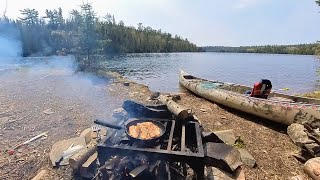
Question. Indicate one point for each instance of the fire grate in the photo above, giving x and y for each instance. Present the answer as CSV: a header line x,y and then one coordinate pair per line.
x,y
181,142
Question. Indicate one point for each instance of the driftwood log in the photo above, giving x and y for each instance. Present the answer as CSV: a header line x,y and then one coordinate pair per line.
x,y
177,110
82,156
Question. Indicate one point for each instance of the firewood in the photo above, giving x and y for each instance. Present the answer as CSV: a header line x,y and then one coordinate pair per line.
x,y
177,110
86,169
82,156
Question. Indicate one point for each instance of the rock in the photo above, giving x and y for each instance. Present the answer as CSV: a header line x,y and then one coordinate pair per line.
x,y
246,158
227,136
312,168
302,155
313,149
217,123
222,155
126,83
11,152
103,132
176,97
48,111
298,135
210,137
154,95
60,146
41,175
120,114
87,135
214,173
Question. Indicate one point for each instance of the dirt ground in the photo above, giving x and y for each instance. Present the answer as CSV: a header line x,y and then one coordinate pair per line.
x,y
266,142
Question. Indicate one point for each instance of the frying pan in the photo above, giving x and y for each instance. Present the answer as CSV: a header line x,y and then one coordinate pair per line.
x,y
133,123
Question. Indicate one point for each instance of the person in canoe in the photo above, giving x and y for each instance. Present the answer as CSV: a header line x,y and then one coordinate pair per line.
x,y
261,89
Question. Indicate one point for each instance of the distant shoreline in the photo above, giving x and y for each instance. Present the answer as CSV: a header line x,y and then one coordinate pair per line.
x,y
300,49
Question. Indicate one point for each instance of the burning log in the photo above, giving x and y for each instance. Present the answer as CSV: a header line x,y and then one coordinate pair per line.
x,y
82,156
86,169
177,110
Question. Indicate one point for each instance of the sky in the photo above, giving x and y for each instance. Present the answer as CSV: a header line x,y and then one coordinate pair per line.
x,y
204,22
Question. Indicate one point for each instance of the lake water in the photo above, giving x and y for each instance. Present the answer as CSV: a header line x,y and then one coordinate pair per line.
x,y
160,71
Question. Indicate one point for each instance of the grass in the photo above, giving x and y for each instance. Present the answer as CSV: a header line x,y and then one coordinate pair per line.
x,y
315,94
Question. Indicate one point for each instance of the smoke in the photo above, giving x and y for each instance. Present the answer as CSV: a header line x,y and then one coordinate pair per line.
x,y
10,41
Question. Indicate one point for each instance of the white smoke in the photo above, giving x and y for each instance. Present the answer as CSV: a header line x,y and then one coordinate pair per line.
x,y
10,41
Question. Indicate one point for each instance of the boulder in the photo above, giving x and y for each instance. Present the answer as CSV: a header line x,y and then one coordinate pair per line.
x,y
59,147
298,135
312,168
87,135
246,158
222,155
227,136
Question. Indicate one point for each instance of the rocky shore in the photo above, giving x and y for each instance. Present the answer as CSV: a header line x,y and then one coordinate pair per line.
x,y
268,143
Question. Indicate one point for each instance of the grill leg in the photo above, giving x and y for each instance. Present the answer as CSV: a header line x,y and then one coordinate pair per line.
x,y
198,167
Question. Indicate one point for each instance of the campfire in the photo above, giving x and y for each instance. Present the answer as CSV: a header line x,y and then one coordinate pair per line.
x,y
176,154
183,151
157,141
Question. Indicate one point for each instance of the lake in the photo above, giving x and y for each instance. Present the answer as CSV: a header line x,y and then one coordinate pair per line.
x,y
160,71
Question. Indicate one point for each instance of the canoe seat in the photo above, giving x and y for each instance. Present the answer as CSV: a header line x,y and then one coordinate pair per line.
x,y
189,77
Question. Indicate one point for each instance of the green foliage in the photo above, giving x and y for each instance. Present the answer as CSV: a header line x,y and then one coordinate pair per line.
x,y
239,143
84,34
305,49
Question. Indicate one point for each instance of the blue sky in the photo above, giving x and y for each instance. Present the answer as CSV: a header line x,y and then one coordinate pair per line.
x,y
206,22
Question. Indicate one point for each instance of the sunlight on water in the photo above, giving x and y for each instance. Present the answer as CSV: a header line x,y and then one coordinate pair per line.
x,y
160,71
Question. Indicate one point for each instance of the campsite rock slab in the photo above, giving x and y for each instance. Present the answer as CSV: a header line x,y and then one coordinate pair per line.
x,y
298,135
312,168
60,146
227,136
246,158
223,155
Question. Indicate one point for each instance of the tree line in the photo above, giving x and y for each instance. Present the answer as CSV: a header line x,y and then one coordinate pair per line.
x,y
304,49
83,33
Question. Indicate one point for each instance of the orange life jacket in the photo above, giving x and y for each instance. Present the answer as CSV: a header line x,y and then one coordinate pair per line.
x,y
261,89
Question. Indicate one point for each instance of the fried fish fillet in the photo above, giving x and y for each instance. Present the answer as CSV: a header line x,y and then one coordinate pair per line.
x,y
144,130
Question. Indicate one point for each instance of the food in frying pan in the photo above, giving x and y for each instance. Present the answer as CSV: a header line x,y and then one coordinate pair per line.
x,y
144,130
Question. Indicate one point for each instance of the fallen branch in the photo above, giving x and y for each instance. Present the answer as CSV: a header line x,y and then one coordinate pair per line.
x,y
31,140
177,110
